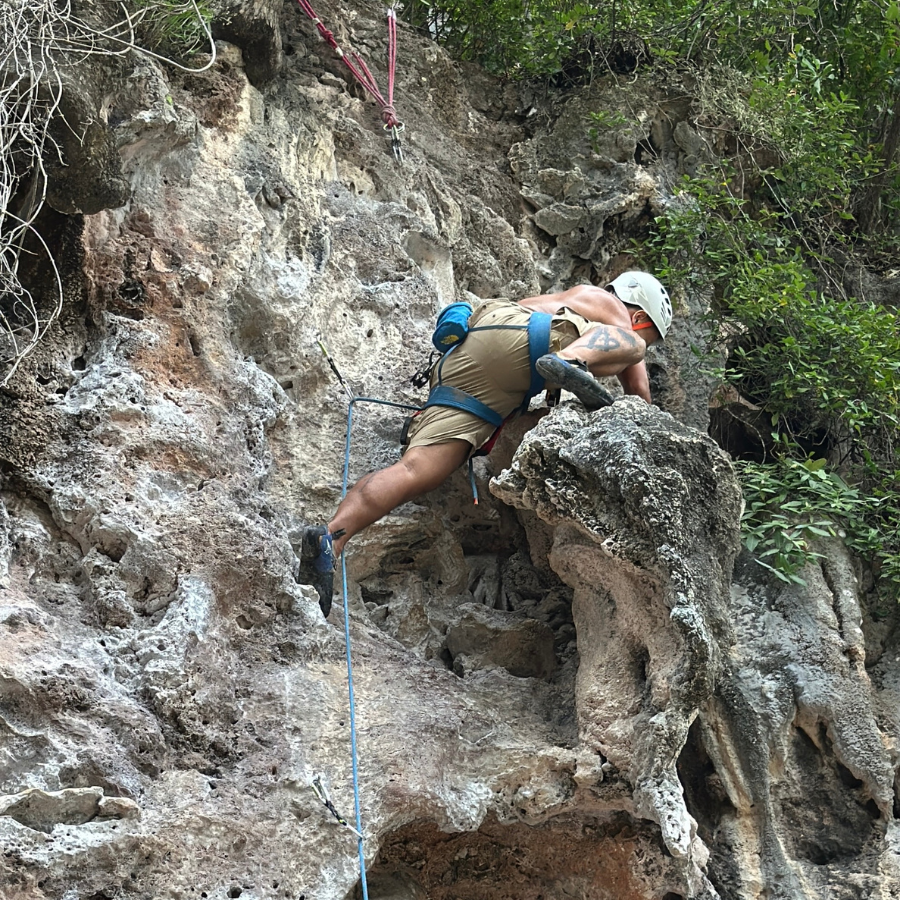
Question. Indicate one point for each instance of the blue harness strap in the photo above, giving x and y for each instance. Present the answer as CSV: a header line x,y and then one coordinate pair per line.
x,y
444,395
539,325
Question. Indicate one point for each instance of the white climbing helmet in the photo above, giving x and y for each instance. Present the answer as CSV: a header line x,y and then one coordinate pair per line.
x,y
643,290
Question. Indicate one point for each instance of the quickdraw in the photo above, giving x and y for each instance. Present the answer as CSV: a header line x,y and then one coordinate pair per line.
x,y
334,367
321,792
360,71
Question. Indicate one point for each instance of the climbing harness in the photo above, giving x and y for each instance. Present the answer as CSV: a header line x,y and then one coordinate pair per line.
x,y
451,330
538,327
321,792
356,64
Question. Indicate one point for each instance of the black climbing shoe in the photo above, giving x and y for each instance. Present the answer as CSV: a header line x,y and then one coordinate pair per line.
x,y
573,375
317,564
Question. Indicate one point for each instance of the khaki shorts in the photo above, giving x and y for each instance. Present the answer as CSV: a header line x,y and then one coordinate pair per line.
x,y
492,365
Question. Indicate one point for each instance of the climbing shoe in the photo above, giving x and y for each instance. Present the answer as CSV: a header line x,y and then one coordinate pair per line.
x,y
573,375
317,563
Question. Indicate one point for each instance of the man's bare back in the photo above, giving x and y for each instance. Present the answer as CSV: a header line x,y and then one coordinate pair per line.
x,y
595,304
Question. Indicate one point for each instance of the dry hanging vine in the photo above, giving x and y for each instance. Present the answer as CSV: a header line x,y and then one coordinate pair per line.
x,y
38,39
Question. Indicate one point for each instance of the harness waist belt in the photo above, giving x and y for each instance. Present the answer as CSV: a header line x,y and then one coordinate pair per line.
x,y
445,395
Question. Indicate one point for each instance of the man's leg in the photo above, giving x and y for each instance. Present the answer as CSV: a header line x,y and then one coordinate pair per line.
x,y
421,469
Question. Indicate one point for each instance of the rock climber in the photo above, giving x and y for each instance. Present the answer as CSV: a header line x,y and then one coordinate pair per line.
x,y
593,333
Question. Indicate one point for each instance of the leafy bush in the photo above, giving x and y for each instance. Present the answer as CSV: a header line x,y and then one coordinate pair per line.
x,y
792,504
513,37
807,98
822,368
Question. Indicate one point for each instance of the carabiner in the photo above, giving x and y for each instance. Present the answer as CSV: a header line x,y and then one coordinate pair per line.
x,y
396,146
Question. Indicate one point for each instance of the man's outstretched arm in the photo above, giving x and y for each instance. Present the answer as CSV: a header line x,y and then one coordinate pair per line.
x,y
613,351
634,380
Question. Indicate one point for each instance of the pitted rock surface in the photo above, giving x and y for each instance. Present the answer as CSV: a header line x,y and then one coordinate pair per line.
x,y
557,695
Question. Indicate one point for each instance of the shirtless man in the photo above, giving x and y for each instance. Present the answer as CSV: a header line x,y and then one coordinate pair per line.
x,y
595,333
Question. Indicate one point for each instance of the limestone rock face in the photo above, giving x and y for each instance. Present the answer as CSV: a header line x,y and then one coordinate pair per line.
x,y
650,568
817,796
564,691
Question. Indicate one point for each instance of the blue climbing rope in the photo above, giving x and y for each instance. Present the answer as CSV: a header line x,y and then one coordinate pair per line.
x,y
353,749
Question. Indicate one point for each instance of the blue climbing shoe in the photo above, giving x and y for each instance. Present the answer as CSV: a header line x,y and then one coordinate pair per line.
x,y
317,564
573,375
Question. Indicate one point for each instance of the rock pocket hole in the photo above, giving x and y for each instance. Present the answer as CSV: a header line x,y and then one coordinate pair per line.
x,y
112,547
518,861
847,777
646,152
704,793
375,596
836,825
399,561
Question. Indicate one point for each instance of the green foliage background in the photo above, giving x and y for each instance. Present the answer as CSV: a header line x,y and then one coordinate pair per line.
x,y
808,95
